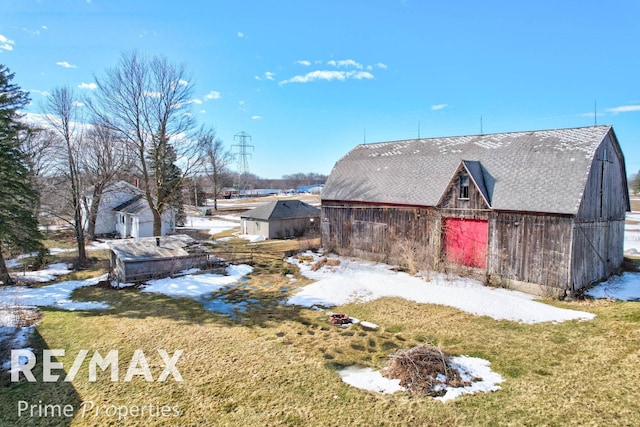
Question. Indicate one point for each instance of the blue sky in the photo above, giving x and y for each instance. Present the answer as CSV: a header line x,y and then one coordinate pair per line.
x,y
308,80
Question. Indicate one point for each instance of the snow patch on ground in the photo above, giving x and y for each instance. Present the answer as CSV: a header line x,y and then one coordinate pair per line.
x,y
625,287
41,276
252,238
368,379
56,295
467,367
18,341
199,285
214,225
361,281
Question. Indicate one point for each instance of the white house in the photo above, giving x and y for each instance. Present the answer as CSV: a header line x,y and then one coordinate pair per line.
x,y
123,211
135,219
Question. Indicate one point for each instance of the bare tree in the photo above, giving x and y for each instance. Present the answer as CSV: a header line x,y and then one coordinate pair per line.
x,y
146,102
39,146
61,114
216,160
102,158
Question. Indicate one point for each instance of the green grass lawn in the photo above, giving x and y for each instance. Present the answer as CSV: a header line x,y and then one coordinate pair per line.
x,y
275,364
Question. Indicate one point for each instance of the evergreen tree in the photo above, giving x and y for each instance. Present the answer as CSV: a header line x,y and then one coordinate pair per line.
x,y
168,180
18,198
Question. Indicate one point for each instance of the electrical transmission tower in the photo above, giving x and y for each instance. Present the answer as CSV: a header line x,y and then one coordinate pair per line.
x,y
242,155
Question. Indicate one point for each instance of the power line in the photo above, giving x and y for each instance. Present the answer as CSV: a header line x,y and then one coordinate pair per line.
x,y
242,155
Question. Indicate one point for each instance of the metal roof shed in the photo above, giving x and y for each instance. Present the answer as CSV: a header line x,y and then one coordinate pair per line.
x,y
135,260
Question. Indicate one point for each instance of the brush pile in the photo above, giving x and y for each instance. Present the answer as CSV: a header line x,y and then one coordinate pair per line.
x,y
424,370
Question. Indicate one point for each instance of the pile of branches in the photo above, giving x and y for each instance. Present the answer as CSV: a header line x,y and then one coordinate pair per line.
x,y
423,370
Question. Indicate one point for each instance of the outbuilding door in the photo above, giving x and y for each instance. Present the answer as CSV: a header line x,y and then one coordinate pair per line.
x,y
466,241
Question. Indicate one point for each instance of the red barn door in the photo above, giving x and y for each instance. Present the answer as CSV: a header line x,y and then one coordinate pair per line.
x,y
466,241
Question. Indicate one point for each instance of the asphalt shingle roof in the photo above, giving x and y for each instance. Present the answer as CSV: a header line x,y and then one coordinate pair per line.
x,y
282,209
136,204
537,171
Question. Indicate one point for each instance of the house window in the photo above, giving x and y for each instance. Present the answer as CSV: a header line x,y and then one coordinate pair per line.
x,y
464,186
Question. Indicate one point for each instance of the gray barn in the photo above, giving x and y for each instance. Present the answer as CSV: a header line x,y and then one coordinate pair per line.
x,y
281,219
539,211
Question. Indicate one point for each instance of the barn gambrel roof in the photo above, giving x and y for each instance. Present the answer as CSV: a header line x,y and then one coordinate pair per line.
x,y
536,171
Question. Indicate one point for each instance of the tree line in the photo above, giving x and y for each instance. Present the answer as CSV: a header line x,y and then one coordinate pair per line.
x,y
135,126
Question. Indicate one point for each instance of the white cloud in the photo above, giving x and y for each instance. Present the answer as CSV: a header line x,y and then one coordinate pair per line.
x,y
65,64
623,109
212,95
78,104
90,86
345,63
303,62
152,94
592,114
195,101
240,34
44,27
267,75
256,117
203,111
40,92
329,75
439,107
183,82
381,65
6,43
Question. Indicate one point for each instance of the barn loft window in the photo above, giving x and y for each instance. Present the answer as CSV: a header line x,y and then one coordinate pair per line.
x,y
464,186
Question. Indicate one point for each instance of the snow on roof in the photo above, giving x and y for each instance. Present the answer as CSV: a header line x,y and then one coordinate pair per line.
x,y
179,245
538,171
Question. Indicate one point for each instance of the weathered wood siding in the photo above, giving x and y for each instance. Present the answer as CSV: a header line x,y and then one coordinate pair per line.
x,y
597,251
383,233
530,248
598,236
139,270
606,196
452,200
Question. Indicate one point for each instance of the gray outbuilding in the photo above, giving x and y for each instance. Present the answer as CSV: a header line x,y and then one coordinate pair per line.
x,y
281,219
